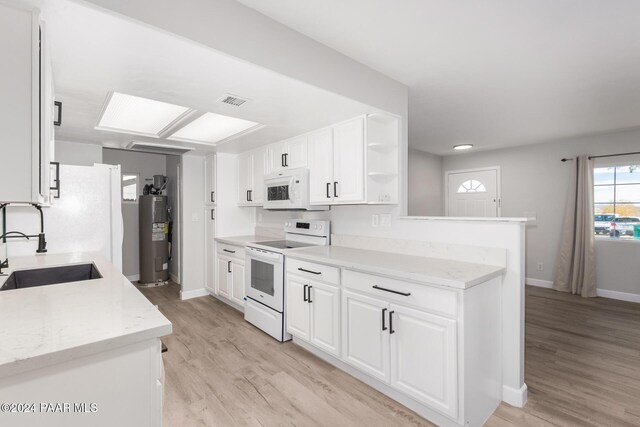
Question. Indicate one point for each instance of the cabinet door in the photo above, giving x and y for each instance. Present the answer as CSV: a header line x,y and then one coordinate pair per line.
x,y
276,152
210,249
348,162
244,178
223,275
259,165
237,282
365,334
423,358
325,317
297,307
320,160
210,179
296,155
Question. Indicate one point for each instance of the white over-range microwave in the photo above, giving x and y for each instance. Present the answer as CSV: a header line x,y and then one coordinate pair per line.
x,y
289,189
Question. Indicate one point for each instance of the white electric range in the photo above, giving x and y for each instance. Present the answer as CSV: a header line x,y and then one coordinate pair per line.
x,y
264,276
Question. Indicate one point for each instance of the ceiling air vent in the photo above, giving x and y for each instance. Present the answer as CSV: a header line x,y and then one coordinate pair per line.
x,y
236,101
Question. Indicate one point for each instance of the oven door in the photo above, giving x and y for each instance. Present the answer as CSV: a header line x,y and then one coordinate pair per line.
x,y
264,277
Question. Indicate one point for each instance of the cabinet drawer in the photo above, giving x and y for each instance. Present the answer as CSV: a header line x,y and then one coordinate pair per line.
x,y
314,271
230,250
427,297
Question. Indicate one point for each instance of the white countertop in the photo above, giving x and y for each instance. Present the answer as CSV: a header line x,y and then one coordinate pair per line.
x,y
46,325
244,240
456,274
468,218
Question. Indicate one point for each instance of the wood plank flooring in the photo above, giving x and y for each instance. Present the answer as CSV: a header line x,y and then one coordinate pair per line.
x,y
582,369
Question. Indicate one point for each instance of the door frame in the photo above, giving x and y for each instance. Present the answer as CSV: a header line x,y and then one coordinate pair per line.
x,y
484,169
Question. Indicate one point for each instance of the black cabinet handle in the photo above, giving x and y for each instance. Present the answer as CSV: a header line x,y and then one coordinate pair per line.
x,y
309,294
391,331
251,195
304,293
335,189
384,311
328,185
286,159
309,271
56,188
212,217
230,251
228,266
58,120
247,195
406,294
212,197
282,160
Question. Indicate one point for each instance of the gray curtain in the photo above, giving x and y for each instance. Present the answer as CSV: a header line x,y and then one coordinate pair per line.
x,y
576,267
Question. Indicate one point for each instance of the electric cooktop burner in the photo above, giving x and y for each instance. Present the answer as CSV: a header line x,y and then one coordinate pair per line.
x,y
284,244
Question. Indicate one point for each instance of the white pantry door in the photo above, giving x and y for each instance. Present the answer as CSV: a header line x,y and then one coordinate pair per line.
x,y
473,193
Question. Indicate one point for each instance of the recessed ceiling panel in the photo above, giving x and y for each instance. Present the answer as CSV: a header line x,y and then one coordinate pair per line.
x,y
136,115
212,128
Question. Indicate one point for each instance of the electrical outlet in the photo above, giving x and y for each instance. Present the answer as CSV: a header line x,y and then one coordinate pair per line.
x,y
375,220
385,220
540,266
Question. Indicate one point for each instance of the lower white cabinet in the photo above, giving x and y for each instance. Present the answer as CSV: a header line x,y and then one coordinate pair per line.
x,y
224,272
424,357
365,334
230,273
237,281
313,313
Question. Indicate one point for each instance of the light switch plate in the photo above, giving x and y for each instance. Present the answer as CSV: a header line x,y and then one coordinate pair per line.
x,y
375,220
385,220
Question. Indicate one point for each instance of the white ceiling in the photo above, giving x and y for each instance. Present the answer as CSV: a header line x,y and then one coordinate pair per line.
x,y
493,73
94,52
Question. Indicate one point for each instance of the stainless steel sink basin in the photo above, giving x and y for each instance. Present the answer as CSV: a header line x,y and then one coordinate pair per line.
x,y
50,276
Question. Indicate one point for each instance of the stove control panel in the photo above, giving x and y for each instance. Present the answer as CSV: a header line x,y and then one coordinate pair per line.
x,y
308,227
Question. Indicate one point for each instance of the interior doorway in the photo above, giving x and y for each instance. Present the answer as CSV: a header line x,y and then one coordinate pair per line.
x,y
473,192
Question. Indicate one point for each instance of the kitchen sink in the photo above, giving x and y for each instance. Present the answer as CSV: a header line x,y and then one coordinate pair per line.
x,y
50,276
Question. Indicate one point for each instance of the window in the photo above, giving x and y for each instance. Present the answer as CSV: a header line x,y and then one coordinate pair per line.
x,y
616,194
129,187
472,186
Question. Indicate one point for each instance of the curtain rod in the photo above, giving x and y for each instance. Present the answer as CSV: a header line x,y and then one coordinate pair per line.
x,y
605,155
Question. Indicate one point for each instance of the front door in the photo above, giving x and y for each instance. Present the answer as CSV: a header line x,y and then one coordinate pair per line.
x,y
473,193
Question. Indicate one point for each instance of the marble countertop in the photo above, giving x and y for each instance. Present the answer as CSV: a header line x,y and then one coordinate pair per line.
x,y
456,274
244,240
46,325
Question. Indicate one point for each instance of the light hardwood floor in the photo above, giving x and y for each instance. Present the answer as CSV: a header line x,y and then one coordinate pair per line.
x,y
582,369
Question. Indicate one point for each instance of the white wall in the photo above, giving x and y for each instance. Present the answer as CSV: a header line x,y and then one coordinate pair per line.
x,y
74,153
535,180
146,165
193,229
425,184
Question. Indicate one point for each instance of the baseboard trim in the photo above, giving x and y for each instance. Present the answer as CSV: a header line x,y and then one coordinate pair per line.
x,y
133,278
175,279
603,293
515,396
539,282
184,295
622,296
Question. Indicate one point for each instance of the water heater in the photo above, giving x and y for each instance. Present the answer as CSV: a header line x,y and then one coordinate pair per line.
x,y
154,245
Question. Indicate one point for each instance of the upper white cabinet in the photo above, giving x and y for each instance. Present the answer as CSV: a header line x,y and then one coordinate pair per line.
x,y
336,164
291,153
251,171
26,111
210,180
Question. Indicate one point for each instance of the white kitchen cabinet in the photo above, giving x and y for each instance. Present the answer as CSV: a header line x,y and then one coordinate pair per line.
x,y
297,307
27,107
365,334
423,357
210,180
336,164
291,153
210,247
324,317
251,170
237,281
223,275
320,148
348,162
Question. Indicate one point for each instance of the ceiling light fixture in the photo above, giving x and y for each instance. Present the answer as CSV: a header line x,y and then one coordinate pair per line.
x,y
462,146
140,116
213,128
